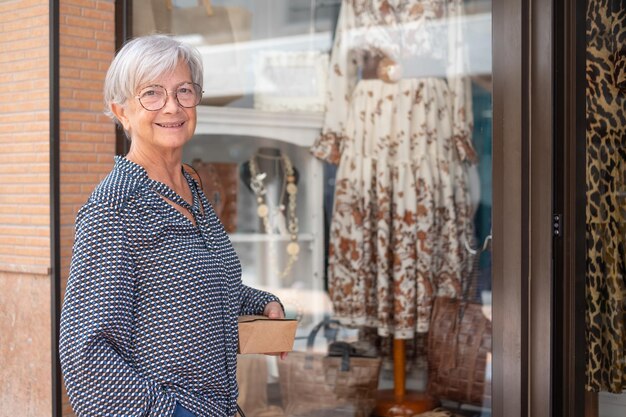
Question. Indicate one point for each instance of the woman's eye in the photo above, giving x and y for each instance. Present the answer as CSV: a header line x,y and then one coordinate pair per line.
x,y
151,92
184,90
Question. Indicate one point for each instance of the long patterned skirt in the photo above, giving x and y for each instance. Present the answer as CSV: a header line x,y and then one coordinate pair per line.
x,y
401,210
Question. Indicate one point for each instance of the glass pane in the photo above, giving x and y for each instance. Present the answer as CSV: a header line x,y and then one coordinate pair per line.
x,y
265,54
346,147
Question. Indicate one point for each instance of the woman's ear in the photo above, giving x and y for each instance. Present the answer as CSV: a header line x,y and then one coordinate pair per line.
x,y
120,113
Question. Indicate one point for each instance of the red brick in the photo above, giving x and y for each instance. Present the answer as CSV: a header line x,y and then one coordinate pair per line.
x,y
24,220
29,29
35,74
97,127
104,16
81,84
18,168
24,199
89,4
68,189
25,44
74,32
101,56
23,158
25,13
18,250
92,96
43,232
70,51
105,5
66,9
93,75
84,22
77,147
13,5
66,72
80,63
105,35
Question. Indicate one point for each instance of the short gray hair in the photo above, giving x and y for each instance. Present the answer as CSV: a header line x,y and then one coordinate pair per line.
x,y
143,59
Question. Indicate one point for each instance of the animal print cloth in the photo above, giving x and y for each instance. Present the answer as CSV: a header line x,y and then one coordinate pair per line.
x,y
606,195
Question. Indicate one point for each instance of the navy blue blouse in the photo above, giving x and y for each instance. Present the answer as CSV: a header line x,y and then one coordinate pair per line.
x,y
150,311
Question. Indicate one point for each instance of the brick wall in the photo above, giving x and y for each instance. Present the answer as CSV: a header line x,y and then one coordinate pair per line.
x,y
25,346
87,38
87,143
87,45
24,137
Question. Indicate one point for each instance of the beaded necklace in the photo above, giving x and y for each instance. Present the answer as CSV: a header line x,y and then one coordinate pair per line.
x,y
263,211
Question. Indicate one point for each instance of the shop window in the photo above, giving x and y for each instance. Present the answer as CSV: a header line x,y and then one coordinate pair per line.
x,y
346,147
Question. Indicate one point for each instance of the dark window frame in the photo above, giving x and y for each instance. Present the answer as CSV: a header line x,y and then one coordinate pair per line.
x,y
536,171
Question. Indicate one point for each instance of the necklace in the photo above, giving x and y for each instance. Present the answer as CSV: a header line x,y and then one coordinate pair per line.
x,y
289,186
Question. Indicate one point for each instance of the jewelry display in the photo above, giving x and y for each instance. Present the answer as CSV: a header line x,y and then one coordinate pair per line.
x,y
263,209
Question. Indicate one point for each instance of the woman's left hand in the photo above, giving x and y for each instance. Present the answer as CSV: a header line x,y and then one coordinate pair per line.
x,y
274,310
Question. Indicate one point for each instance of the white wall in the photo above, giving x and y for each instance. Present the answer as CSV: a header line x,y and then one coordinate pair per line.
x,y
612,405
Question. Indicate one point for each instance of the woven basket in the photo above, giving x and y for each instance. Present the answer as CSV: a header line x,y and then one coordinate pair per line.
x,y
317,385
459,342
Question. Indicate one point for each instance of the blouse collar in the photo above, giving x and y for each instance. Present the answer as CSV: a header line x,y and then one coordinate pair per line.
x,y
139,173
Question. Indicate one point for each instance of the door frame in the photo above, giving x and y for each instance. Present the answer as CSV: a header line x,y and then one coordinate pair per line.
x,y
524,47
571,398
524,150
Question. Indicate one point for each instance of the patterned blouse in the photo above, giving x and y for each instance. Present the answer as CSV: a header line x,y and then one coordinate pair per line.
x,y
150,312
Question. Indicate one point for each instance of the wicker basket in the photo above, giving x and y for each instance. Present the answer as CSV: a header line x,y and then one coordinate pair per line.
x,y
314,384
458,345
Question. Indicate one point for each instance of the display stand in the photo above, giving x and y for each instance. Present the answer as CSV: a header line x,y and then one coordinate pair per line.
x,y
399,402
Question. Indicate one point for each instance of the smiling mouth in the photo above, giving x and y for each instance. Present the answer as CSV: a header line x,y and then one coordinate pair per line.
x,y
170,125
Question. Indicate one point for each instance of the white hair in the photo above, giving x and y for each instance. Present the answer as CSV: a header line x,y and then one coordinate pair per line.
x,y
142,60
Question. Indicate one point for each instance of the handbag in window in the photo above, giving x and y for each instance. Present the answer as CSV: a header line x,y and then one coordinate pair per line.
x,y
320,385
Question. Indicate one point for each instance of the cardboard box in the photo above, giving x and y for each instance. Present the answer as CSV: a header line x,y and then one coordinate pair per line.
x,y
258,334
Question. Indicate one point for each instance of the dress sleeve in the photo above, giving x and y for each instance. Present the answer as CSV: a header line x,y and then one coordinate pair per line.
x,y
342,77
459,82
97,322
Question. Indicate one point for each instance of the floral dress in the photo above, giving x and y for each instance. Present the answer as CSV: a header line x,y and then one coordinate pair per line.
x,y
401,206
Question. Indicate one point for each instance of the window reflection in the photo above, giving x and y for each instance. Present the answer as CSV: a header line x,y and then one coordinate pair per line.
x,y
383,109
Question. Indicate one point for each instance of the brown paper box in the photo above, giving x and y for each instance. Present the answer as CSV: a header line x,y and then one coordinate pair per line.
x,y
258,334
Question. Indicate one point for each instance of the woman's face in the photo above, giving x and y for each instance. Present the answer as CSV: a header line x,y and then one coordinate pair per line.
x,y
166,129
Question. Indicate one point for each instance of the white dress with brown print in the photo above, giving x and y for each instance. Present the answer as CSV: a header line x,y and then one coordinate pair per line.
x,y
401,207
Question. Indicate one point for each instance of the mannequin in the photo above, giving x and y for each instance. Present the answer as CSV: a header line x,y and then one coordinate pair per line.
x,y
398,124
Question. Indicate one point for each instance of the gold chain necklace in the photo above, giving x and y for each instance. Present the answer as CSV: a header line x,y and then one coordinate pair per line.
x,y
263,211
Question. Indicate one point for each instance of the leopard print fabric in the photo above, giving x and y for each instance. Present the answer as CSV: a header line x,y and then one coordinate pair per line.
x,y
606,195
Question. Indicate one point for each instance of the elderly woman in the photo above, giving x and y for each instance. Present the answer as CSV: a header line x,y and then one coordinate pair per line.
x,y
149,321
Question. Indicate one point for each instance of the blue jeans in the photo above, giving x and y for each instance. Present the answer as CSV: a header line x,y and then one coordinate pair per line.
x,y
179,411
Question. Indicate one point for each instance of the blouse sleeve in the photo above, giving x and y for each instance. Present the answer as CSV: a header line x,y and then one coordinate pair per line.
x,y
459,82
96,325
342,77
253,301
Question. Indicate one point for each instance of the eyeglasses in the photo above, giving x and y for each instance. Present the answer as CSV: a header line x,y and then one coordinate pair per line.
x,y
154,97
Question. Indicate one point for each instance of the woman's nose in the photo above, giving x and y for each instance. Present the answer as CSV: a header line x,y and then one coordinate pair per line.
x,y
171,103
